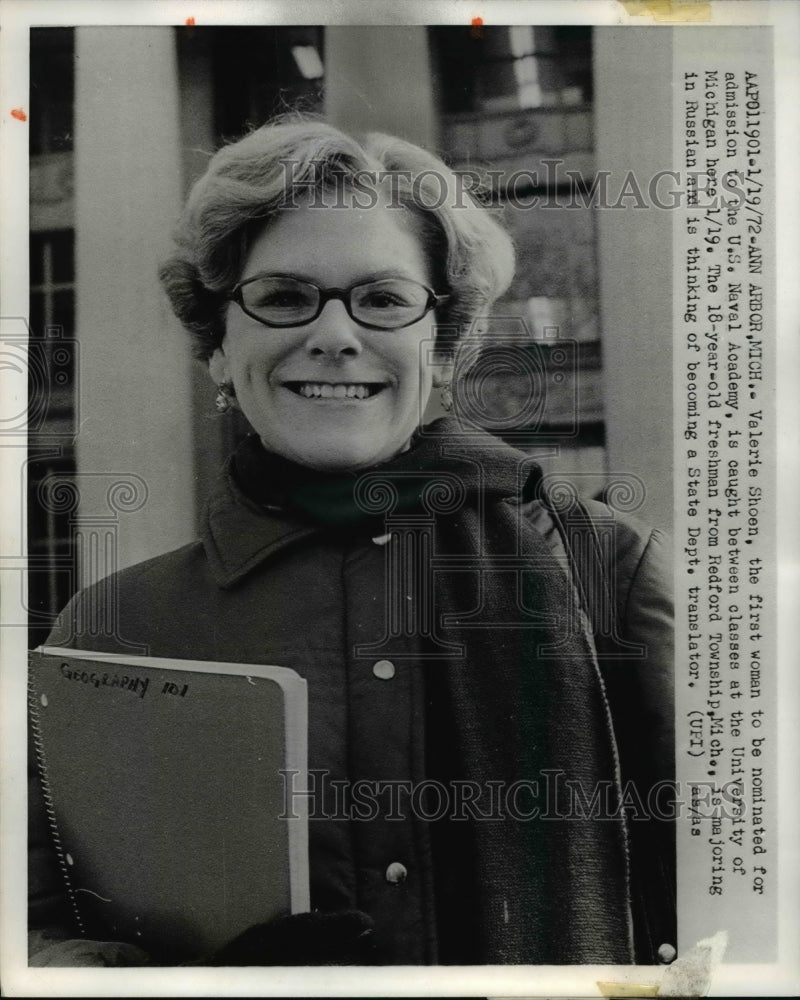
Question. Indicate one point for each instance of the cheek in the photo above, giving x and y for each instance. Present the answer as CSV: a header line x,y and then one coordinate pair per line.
x,y
417,373
250,356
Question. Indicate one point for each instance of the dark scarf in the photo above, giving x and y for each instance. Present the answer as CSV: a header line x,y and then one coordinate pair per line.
x,y
524,703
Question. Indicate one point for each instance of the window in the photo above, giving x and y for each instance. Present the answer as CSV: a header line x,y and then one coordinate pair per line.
x,y
52,90
51,445
516,100
51,349
495,69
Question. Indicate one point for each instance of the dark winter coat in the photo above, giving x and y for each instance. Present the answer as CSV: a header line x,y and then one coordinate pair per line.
x,y
264,587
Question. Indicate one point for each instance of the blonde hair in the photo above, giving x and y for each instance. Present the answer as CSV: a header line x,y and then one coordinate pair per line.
x,y
252,180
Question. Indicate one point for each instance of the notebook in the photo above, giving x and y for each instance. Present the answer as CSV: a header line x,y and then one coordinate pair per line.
x,y
166,802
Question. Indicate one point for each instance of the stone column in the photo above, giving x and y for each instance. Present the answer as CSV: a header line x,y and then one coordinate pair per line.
x,y
379,78
134,390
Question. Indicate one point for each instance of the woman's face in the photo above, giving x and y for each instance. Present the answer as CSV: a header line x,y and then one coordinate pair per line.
x,y
275,371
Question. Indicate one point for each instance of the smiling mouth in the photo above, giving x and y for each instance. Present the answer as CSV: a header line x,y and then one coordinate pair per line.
x,y
335,390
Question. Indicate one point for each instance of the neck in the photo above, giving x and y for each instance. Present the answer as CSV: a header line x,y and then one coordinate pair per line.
x,y
335,470
440,456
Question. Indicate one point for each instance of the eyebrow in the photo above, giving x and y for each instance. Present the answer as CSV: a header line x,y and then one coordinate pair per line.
x,y
394,272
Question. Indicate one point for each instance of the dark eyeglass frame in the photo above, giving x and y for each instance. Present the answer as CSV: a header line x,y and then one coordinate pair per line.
x,y
344,295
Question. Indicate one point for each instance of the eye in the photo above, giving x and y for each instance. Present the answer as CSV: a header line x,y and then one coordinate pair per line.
x,y
390,295
383,299
281,299
279,295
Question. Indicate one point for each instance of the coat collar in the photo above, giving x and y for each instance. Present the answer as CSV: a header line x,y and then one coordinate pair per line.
x,y
238,535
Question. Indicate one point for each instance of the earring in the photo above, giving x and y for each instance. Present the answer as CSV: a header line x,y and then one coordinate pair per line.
x,y
443,384
225,400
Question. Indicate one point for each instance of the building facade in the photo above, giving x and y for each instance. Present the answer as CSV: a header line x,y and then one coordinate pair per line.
x,y
123,120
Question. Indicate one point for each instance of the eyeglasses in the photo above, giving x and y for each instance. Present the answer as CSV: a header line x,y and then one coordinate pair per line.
x,y
281,300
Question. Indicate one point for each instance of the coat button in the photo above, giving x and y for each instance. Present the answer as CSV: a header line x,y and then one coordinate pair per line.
x,y
384,669
666,954
396,873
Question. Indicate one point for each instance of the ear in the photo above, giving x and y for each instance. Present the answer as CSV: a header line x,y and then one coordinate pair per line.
x,y
218,366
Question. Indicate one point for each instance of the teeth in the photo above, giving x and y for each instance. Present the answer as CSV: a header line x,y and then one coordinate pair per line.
x,y
323,390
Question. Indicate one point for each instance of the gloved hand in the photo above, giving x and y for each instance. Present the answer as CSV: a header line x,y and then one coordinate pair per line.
x,y
340,938
47,950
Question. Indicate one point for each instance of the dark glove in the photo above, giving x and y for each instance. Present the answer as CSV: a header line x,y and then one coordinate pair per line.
x,y
48,950
342,938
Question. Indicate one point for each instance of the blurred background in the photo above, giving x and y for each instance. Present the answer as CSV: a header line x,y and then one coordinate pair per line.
x,y
124,439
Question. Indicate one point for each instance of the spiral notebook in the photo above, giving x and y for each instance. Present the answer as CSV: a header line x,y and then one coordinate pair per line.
x,y
165,783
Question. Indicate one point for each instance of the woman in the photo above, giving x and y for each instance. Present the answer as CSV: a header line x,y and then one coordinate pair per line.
x,y
327,284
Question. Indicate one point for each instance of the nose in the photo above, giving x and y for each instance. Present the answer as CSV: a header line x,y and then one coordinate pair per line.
x,y
333,333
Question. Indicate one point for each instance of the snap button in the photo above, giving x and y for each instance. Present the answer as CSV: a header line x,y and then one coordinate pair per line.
x,y
396,872
384,669
666,954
